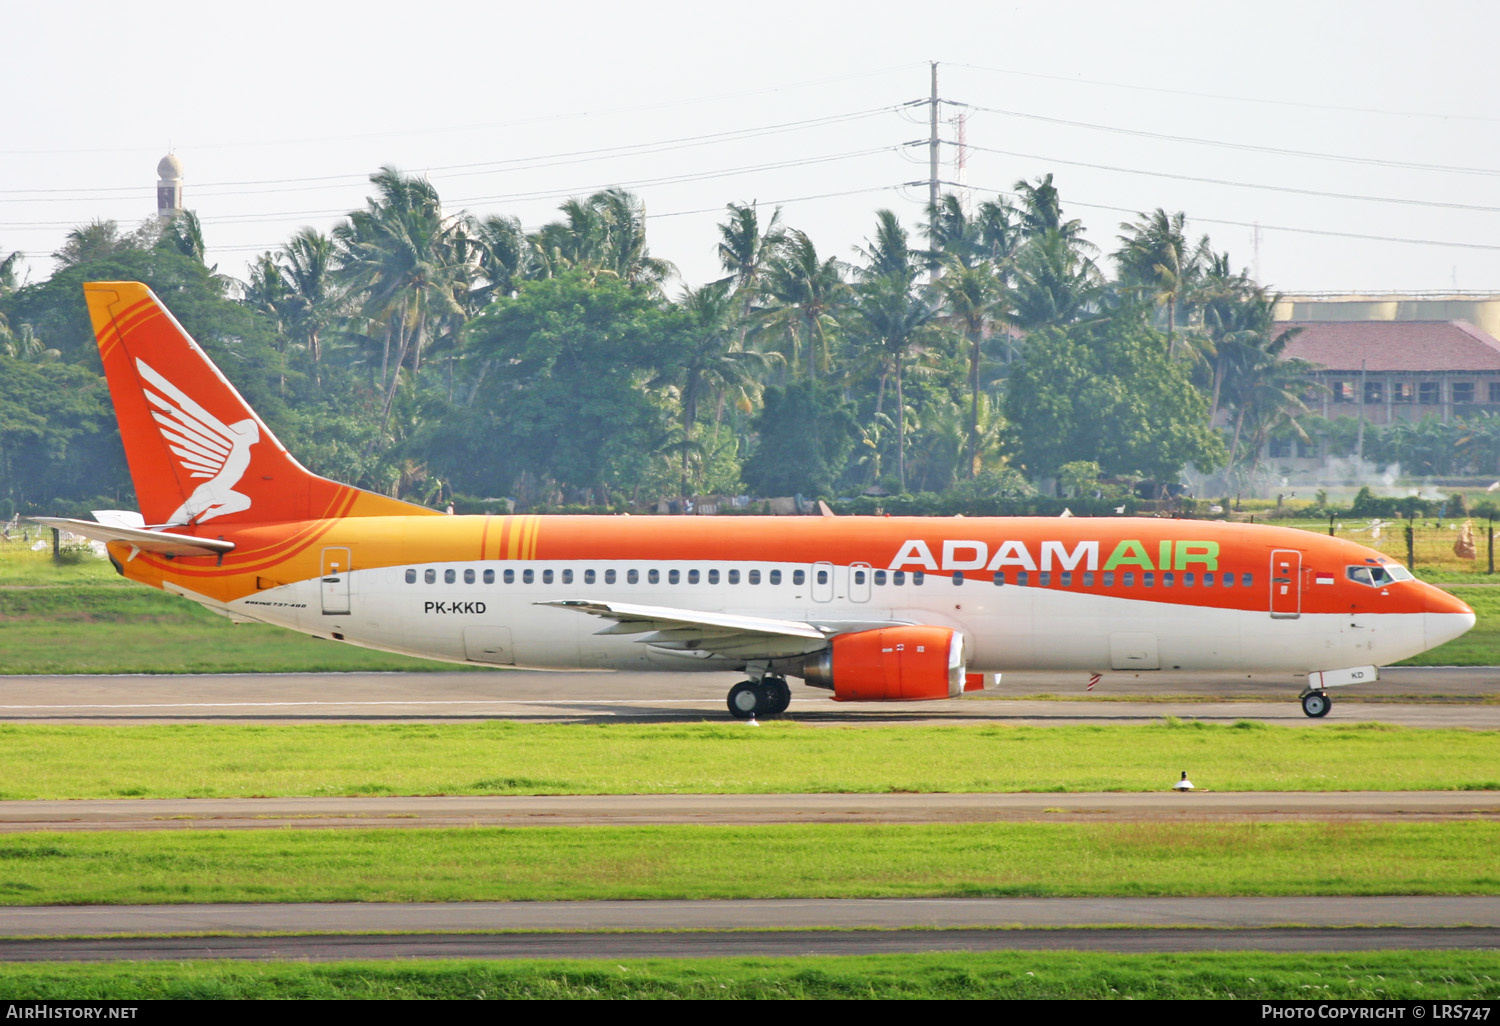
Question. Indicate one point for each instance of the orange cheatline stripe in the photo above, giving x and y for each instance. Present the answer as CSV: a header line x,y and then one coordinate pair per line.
x,y
484,537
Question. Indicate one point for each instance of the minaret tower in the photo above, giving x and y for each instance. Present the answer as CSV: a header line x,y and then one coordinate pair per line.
x,y
169,189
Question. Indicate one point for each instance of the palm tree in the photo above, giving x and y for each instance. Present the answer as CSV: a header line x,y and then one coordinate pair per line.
x,y
1055,281
801,294
605,234
8,266
97,240
308,270
399,255
1156,263
1041,212
184,234
892,320
973,298
744,251
714,365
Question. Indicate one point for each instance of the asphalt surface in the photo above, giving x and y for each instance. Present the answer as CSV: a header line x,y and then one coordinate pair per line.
x,y
1417,697
739,809
767,944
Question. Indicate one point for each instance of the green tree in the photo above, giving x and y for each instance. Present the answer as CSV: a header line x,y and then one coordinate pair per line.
x,y
1109,394
806,433
567,400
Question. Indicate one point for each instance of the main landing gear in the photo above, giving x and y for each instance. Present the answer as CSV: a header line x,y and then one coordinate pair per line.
x,y
1316,703
768,696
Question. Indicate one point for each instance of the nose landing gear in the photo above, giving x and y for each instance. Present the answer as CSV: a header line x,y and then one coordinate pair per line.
x,y
769,696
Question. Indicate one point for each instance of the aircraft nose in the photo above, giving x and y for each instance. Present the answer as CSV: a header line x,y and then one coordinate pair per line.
x,y
1447,617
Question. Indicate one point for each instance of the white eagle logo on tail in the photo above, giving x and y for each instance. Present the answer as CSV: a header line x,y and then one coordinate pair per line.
x,y
205,447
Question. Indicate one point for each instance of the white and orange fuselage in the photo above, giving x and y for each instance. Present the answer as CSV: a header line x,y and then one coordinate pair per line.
x,y
871,607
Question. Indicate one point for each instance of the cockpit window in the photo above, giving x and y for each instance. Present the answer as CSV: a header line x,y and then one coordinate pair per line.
x,y
1378,576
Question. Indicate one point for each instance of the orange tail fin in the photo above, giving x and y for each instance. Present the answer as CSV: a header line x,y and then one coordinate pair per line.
x,y
197,452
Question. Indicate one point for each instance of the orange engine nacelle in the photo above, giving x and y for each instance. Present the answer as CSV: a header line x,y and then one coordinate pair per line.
x,y
891,664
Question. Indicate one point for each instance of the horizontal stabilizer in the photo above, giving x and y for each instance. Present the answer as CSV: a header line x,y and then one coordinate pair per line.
x,y
163,543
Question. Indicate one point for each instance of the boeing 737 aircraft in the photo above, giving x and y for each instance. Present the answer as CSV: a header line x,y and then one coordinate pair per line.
x,y
872,609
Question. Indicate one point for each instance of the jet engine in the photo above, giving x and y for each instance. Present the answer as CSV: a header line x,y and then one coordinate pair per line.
x,y
890,664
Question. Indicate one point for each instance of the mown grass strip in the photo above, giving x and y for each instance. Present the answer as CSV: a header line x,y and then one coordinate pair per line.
x,y
730,757
784,861
1362,976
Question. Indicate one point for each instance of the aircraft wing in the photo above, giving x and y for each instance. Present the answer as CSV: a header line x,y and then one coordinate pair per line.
x,y
693,632
164,542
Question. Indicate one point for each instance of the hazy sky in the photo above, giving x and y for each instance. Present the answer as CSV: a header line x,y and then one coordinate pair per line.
x,y
1305,115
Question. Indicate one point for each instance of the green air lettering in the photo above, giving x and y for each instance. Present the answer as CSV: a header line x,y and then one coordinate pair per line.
x,y
1164,555
1190,552
1129,553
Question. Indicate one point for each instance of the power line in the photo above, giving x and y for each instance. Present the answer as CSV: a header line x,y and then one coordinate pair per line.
x,y
486,167
1228,96
1280,228
1281,151
1245,185
490,126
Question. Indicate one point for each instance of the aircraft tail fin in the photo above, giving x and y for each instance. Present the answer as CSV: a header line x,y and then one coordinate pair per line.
x,y
197,451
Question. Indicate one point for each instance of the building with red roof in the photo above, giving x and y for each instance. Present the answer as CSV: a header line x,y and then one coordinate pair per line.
x,y
1383,371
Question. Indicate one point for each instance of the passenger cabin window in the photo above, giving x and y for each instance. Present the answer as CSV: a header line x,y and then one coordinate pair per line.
x,y
775,577
1168,579
999,578
734,577
411,576
609,577
958,578
1067,578
1023,579
1109,578
1208,580
468,576
1088,578
753,577
567,577
879,578
1128,578
1044,579
897,577
799,577
692,577
450,576
510,577
546,576
489,577
1229,580
1148,580
528,576
823,576
632,576
713,577
588,577
1246,580
674,577
917,577
653,576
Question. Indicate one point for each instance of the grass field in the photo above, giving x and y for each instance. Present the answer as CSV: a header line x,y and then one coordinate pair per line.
x,y
199,761
1361,976
772,861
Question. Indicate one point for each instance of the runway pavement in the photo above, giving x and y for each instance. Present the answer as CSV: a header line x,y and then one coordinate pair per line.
x,y
1418,697
735,809
641,929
